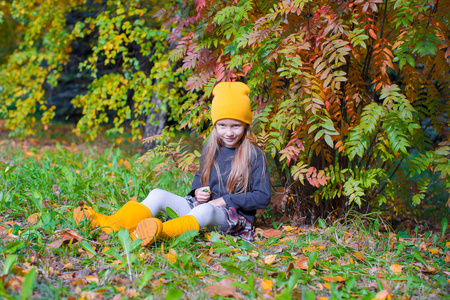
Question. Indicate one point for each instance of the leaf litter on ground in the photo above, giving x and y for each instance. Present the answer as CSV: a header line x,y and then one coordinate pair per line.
x,y
44,254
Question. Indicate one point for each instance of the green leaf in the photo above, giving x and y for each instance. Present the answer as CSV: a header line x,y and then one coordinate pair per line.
x,y
145,278
87,247
419,257
171,213
234,270
13,247
185,237
27,286
124,238
311,260
174,294
321,223
9,263
444,224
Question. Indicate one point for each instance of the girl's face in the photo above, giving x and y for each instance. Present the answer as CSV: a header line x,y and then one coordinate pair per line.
x,y
230,131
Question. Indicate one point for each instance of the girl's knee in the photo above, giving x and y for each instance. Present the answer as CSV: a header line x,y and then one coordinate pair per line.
x,y
205,209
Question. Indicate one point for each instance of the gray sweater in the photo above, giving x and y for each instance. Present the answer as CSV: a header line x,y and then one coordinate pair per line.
x,y
258,194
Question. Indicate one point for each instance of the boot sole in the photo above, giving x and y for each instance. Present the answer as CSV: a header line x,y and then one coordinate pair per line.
x,y
148,230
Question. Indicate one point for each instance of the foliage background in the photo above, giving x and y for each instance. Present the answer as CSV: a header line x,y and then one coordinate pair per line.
x,y
350,97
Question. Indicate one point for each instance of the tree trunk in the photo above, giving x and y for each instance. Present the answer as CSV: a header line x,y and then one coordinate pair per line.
x,y
154,121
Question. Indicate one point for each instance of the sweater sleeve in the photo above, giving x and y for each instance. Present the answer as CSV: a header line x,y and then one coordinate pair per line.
x,y
258,196
195,184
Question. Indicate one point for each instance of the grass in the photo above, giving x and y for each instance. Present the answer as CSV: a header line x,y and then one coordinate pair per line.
x,y
45,255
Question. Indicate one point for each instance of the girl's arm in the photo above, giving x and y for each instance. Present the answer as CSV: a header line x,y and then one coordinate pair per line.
x,y
218,202
258,197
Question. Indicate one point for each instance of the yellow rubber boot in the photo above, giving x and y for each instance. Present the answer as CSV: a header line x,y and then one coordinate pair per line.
x,y
178,226
150,229
147,230
128,217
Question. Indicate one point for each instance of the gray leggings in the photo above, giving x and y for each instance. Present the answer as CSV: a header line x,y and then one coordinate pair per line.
x,y
207,215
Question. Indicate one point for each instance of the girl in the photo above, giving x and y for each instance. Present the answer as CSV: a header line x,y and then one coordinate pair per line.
x,y
231,184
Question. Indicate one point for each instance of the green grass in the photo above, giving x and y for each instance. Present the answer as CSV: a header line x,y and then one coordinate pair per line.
x,y
350,259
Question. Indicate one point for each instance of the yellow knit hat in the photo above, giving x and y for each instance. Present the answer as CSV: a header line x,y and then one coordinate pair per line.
x,y
231,101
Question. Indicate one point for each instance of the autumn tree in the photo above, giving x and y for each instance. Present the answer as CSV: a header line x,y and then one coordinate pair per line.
x,y
126,65
351,97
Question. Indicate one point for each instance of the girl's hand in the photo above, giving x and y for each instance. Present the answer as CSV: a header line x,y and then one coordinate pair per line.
x,y
203,194
218,202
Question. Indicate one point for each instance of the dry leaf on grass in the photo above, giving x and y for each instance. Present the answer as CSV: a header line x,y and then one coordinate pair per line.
x,y
272,233
269,259
382,295
334,279
397,269
223,289
301,263
32,219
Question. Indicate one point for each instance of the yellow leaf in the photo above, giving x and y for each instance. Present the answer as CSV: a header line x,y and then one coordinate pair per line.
x,y
287,228
170,257
447,257
323,298
334,279
434,251
29,153
208,236
397,269
327,286
359,256
269,259
110,165
447,244
91,278
118,141
267,284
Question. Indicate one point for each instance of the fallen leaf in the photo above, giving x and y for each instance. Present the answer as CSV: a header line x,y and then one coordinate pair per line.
x,y
222,289
359,256
91,278
287,228
170,257
447,257
32,219
327,286
269,259
301,263
397,269
88,295
272,233
289,268
334,279
446,273
56,244
253,254
69,235
382,295
434,251
267,284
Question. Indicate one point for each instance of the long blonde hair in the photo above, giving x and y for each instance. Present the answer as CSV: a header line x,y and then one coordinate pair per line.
x,y
239,177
